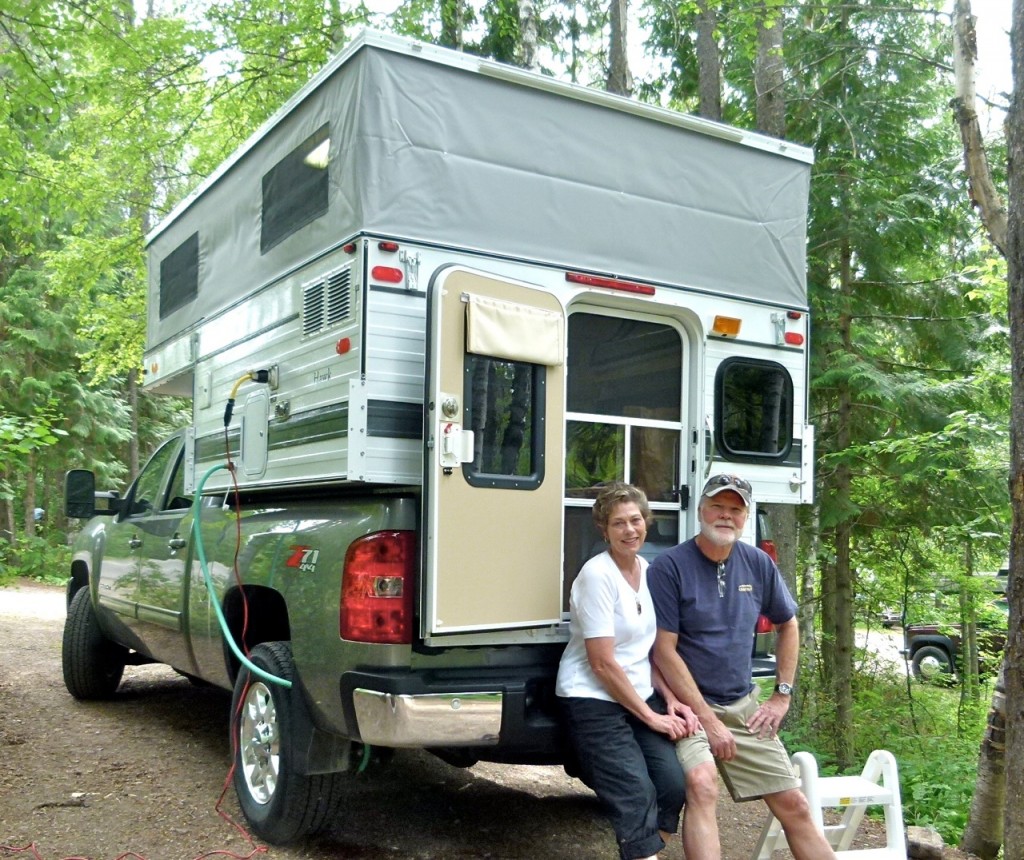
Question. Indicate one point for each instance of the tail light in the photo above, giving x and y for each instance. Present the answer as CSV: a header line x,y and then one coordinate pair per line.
x,y
764,625
377,587
769,547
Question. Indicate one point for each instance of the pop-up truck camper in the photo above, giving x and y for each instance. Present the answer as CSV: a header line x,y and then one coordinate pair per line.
x,y
422,314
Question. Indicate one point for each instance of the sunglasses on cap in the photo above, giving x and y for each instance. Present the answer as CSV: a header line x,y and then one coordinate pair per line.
x,y
728,480
719,483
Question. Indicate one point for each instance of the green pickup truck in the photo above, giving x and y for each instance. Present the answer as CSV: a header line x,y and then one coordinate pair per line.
x,y
315,591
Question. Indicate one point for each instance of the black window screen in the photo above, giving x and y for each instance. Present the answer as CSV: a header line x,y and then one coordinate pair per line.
x,y
179,276
754,409
295,189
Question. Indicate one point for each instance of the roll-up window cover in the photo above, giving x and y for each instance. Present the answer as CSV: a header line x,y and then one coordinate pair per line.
x,y
514,331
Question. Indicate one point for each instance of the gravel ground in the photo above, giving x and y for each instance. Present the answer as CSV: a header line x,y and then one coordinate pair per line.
x,y
141,776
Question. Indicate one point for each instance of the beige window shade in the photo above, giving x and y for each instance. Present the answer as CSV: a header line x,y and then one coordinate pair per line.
x,y
514,331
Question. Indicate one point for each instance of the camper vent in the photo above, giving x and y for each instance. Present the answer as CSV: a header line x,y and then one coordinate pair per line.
x,y
326,301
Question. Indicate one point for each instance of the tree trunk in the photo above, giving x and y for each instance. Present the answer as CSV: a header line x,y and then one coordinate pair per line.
x,y
1014,660
770,71
528,35
709,62
620,81
1000,766
983,835
979,177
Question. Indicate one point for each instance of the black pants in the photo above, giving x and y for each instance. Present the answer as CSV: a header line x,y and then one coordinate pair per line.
x,y
632,769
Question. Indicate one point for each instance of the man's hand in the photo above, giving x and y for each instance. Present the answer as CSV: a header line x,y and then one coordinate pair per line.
x,y
720,739
769,715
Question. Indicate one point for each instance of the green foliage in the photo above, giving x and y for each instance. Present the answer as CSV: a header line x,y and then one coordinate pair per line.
x,y
38,558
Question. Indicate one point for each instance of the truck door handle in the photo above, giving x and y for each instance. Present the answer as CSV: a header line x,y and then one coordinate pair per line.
x,y
135,542
176,543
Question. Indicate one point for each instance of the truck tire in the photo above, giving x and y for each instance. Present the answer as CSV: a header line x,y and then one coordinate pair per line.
x,y
281,804
92,664
932,664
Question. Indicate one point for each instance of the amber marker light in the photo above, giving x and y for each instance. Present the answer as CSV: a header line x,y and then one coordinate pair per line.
x,y
726,326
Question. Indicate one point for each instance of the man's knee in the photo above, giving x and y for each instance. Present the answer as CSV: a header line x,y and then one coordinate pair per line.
x,y
789,805
702,785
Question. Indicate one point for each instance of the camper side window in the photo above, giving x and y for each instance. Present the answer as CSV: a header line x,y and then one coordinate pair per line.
x,y
753,410
503,408
295,189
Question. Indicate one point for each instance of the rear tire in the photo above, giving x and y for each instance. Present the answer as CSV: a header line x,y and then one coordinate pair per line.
x,y
93,665
932,665
281,804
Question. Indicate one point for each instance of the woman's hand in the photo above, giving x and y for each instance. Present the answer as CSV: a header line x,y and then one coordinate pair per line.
x,y
669,724
684,712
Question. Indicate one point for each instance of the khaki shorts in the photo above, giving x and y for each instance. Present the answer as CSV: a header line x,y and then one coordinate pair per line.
x,y
761,766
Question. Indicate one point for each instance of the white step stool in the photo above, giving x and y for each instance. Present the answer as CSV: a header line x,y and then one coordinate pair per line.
x,y
878,785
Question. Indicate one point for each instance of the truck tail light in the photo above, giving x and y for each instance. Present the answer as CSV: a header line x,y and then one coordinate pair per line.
x,y
377,586
769,547
764,625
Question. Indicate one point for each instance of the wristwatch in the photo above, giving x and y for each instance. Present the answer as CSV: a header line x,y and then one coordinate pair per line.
x,y
784,688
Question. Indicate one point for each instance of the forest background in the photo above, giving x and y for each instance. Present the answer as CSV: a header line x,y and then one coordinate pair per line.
x,y
113,111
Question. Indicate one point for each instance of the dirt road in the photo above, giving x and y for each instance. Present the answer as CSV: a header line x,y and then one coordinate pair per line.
x,y
143,774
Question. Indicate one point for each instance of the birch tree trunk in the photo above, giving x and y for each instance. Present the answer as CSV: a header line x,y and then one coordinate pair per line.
x,y
1013,663
991,817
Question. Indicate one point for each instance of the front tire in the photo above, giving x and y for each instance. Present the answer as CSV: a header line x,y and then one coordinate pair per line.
x,y
281,804
932,664
93,665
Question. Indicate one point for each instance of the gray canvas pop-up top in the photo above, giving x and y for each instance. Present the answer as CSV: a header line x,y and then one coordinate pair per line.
x,y
429,145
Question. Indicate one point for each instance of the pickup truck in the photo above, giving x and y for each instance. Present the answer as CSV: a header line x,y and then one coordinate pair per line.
x,y
317,592
934,649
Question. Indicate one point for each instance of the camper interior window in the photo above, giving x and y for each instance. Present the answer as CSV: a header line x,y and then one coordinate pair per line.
x,y
295,189
504,404
753,410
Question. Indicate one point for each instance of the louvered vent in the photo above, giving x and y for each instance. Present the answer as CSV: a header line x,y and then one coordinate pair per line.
x,y
327,301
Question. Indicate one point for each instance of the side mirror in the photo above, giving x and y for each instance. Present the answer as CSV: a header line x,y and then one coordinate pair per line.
x,y
81,499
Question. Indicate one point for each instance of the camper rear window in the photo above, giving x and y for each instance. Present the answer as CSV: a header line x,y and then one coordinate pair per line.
x,y
179,276
295,189
753,410
503,409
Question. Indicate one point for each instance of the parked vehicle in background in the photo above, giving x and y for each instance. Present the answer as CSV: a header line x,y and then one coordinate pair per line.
x,y
764,633
933,648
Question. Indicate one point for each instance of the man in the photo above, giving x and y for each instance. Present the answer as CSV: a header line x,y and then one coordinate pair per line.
x,y
708,593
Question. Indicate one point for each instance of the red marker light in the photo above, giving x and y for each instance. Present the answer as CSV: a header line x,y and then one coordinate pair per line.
x,y
794,338
609,283
388,274
793,315
343,346
388,246
349,247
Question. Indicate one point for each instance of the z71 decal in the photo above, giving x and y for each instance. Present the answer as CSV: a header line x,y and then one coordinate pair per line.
x,y
303,558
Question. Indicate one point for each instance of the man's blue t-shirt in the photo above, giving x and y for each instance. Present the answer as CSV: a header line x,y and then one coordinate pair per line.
x,y
716,624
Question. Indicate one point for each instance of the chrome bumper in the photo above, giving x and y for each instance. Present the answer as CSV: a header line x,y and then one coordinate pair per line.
x,y
433,720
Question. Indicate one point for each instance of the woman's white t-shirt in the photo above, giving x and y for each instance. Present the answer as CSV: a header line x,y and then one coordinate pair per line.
x,y
603,604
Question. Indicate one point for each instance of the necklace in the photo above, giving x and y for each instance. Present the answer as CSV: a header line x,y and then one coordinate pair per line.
x,y
721,579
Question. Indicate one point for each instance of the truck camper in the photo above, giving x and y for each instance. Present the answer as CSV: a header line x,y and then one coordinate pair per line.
x,y
423,314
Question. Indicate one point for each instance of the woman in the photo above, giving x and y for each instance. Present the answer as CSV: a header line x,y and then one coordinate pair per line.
x,y
618,725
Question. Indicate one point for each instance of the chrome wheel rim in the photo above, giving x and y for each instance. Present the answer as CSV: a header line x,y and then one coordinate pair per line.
x,y
259,742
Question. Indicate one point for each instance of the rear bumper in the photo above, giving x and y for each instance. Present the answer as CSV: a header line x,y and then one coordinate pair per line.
x,y
428,720
511,718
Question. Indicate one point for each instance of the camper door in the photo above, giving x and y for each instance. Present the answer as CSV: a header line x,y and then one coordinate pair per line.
x,y
493,456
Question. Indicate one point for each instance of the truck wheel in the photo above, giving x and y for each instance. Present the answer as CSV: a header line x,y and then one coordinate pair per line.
x,y
932,664
280,804
93,665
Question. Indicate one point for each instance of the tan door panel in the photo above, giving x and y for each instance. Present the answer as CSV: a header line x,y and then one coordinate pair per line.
x,y
493,544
